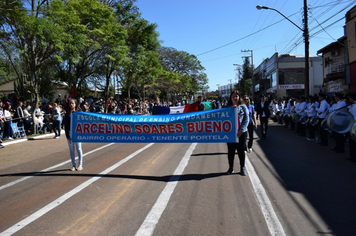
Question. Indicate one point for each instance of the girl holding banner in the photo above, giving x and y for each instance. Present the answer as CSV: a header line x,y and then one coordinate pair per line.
x,y
243,120
72,107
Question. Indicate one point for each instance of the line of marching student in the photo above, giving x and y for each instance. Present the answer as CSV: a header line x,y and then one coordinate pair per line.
x,y
308,117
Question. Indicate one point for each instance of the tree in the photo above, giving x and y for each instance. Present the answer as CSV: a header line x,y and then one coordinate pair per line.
x,y
191,73
141,66
28,37
95,41
246,79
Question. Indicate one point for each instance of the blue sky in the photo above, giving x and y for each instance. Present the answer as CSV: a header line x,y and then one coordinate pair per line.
x,y
201,26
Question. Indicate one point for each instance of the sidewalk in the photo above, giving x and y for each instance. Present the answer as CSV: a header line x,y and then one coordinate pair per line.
x,y
14,141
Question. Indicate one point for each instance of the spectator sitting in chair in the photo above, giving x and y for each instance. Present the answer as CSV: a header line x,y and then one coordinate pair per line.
x,y
39,123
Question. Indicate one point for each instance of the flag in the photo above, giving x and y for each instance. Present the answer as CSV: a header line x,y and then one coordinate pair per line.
x,y
192,107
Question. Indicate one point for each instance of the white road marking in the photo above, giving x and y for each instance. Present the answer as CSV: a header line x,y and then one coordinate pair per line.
x,y
50,168
16,227
154,215
274,226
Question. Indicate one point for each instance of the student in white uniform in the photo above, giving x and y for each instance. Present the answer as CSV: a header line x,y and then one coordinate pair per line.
x,y
340,105
352,142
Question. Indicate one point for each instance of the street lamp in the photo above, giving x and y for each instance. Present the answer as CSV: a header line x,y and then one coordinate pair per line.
x,y
306,41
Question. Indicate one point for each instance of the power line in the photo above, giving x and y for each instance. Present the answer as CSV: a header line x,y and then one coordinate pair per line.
x,y
243,37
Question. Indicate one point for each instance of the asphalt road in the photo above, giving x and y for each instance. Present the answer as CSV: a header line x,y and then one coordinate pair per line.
x,y
293,187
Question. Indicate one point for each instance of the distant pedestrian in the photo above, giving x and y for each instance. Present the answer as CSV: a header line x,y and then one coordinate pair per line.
x,y
263,114
57,120
72,107
252,123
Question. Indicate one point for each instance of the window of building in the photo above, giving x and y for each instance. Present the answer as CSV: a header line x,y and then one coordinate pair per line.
x,y
291,77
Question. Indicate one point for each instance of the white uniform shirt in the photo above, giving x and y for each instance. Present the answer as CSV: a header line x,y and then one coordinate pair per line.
x,y
352,110
310,110
332,108
340,105
302,107
287,108
296,107
324,107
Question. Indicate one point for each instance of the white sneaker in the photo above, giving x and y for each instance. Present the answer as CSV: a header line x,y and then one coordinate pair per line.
x,y
73,168
249,150
9,138
80,168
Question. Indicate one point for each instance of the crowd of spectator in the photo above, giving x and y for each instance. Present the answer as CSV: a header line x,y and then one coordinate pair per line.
x,y
49,113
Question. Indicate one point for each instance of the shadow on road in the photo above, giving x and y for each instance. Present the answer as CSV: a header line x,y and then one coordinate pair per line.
x,y
322,176
165,178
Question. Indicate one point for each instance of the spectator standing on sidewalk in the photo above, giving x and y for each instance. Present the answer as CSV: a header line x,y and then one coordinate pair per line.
x,y
57,120
240,146
263,114
19,116
72,107
252,123
2,119
8,118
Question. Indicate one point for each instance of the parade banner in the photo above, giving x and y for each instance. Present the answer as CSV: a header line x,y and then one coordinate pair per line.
x,y
214,126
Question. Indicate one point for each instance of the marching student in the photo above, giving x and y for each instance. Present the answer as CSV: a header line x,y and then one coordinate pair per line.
x,y
352,142
240,146
263,114
321,111
72,107
311,113
340,105
252,123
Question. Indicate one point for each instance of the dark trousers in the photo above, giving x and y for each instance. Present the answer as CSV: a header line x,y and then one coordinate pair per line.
x,y
352,144
240,147
340,141
301,129
1,129
250,134
57,127
311,131
264,126
323,133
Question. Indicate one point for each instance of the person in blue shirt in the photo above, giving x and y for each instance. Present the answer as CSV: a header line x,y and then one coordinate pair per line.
x,y
236,102
252,123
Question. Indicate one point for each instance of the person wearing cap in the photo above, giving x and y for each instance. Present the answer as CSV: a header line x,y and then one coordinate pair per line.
x,y
263,114
340,105
352,142
321,112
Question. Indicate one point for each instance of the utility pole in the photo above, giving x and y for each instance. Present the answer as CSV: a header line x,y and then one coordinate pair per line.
x,y
230,80
306,41
252,80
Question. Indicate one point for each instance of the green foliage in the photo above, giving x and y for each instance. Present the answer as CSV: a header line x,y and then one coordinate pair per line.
x,y
190,72
79,42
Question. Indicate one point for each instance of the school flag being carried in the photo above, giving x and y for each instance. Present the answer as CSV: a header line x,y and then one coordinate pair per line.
x,y
214,126
161,110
